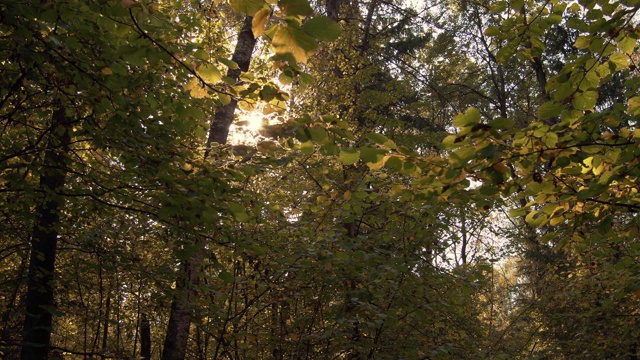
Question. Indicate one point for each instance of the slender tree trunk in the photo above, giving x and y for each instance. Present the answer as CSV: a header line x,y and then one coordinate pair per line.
x,y
105,328
145,337
44,240
175,345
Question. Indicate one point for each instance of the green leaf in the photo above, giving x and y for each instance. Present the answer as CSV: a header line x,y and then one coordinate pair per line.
x,y
536,218
307,147
377,138
228,63
322,28
634,106
461,156
238,212
349,156
492,31
585,100
330,149
498,6
249,7
371,155
582,42
501,123
505,53
471,117
226,277
294,41
627,44
551,139
295,7
317,134
550,109
209,73
224,98
619,61
393,163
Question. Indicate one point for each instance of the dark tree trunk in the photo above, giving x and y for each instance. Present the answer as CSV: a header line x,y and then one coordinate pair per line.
x,y
219,129
175,345
44,239
145,337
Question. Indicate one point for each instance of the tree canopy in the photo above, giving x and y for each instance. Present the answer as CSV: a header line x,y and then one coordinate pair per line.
x,y
284,179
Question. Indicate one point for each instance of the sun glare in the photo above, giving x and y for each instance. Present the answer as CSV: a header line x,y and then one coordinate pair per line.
x,y
245,129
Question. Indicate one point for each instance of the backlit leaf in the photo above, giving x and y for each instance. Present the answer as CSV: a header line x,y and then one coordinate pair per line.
x,y
471,117
259,21
209,73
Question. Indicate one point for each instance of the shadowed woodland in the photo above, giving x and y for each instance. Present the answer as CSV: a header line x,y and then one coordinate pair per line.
x,y
324,179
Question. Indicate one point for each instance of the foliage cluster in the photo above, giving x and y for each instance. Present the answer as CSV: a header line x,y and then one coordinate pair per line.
x,y
445,180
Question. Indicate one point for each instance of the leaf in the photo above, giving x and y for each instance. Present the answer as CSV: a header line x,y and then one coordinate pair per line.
x,y
582,42
295,7
209,73
501,123
627,44
322,28
471,117
371,155
307,147
619,61
505,53
238,212
634,106
349,156
393,163
249,7
224,99
228,63
551,139
585,100
492,31
550,109
317,134
536,218
377,138
259,21
461,156
226,277
498,7
295,41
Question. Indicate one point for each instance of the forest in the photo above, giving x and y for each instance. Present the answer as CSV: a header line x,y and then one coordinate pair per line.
x,y
322,179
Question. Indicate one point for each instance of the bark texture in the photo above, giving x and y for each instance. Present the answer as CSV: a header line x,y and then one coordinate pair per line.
x,y
219,129
44,241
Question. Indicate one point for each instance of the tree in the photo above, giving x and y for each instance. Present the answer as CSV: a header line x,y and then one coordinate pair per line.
x,y
449,180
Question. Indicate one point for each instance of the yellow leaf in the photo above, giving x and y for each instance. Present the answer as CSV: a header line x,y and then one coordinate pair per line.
x,y
259,21
106,71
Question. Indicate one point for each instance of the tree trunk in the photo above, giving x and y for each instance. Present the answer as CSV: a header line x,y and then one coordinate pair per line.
x,y
44,240
145,337
219,129
175,345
